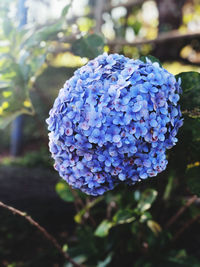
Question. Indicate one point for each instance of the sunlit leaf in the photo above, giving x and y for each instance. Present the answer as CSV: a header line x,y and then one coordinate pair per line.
x,y
154,226
105,262
78,259
65,248
147,199
103,229
6,93
63,190
145,216
124,216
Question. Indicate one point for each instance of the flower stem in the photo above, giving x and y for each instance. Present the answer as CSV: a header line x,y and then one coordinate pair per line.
x,y
43,231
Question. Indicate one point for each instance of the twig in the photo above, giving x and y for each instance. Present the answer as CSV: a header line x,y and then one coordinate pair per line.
x,y
88,215
185,227
110,207
162,37
43,231
77,198
180,211
78,203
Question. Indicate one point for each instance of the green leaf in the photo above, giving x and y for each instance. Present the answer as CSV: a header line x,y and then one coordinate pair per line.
x,y
154,226
169,187
145,217
137,25
65,10
190,99
180,258
105,262
88,46
79,215
65,248
103,229
146,200
64,191
193,180
78,259
124,216
152,58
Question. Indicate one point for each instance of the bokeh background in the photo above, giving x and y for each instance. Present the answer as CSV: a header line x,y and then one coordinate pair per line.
x,y
41,44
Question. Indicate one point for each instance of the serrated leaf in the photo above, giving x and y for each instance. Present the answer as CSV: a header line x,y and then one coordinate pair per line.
x,y
89,46
151,58
64,191
147,199
103,229
193,180
124,216
190,99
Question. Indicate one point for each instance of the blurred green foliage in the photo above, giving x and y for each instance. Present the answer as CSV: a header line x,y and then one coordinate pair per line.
x,y
23,57
38,158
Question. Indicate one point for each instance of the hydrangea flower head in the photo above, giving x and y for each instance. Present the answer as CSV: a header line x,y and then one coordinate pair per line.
x,y
112,122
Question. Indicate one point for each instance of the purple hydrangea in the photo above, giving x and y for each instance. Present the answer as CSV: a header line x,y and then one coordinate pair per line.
x,y
112,122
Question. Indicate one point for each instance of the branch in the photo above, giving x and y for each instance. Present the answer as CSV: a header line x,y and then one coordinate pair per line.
x,y
128,4
185,227
162,37
107,8
181,210
43,231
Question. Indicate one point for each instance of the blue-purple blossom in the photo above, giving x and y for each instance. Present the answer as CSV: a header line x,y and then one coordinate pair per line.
x,y
112,122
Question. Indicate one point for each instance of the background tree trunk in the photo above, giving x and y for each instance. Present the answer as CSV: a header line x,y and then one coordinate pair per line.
x,y
170,18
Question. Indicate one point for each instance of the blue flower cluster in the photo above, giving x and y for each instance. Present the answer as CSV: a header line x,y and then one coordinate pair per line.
x,y
112,122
